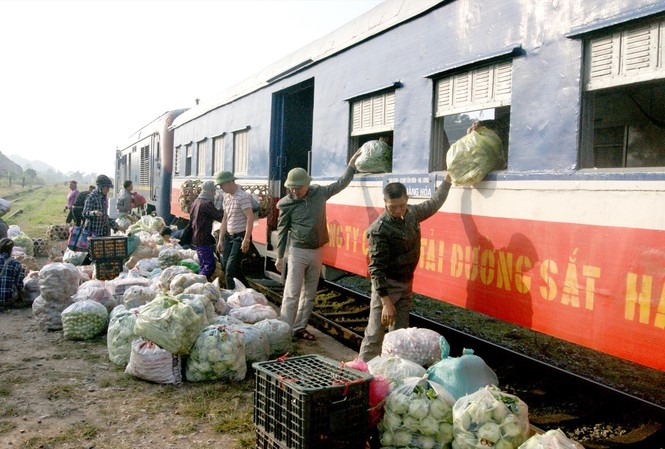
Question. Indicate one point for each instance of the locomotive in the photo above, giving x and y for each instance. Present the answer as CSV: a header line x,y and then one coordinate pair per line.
x,y
566,239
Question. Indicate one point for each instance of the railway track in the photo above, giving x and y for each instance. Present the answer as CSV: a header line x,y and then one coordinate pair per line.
x,y
596,415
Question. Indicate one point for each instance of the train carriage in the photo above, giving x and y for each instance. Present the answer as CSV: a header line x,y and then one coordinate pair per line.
x,y
146,159
567,238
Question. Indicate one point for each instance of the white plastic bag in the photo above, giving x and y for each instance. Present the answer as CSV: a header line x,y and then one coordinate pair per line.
x,y
413,343
148,361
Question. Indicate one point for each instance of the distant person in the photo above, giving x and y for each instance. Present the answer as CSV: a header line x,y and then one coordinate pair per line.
x,y
71,198
394,252
302,220
96,209
11,275
77,209
235,233
124,205
166,235
202,214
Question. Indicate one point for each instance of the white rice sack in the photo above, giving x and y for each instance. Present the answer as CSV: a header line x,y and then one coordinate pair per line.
x,y
169,323
246,297
138,295
58,281
201,305
168,274
84,320
253,314
394,368
490,417
181,281
257,346
552,439
218,353
120,334
415,344
48,313
150,362
279,335
96,290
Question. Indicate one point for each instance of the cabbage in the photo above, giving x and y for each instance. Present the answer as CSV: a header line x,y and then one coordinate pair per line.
x,y
84,320
376,157
218,353
473,156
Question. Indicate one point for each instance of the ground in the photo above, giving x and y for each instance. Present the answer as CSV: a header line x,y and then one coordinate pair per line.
x,y
59,393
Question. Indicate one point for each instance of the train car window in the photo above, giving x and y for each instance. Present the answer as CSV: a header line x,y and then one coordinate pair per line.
x,y
188,159
144,166
176,160
624,98
201,158
372,118
482,93
241,152
218,154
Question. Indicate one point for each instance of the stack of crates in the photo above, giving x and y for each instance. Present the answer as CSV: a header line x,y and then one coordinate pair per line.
x,y
108,255
310,402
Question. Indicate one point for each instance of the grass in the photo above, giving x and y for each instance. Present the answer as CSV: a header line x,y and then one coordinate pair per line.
x,y
41,205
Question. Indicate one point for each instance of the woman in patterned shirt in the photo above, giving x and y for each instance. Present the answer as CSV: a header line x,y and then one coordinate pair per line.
x,y
11,274
96,209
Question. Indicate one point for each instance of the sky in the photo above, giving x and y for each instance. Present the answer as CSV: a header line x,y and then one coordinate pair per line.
x,y
79,77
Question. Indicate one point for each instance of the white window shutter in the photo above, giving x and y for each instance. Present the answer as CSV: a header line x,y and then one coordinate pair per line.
x,y
374,114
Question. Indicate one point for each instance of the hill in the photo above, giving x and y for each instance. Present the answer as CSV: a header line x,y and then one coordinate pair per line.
x,y
8,166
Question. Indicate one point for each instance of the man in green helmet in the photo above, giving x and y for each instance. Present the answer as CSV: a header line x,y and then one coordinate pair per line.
x,y
302,219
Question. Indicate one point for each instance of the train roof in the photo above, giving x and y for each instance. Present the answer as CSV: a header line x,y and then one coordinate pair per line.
x,y
156,125
379,19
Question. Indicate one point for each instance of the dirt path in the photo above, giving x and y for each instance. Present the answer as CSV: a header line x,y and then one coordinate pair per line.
x,y
58,393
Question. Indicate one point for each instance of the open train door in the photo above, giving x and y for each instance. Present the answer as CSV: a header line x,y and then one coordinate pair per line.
x,y
290,141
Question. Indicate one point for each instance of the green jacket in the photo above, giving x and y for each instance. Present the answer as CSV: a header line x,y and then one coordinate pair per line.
x,y
394,244
304,219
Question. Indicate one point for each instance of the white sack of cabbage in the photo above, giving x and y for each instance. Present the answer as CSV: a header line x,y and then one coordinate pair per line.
x,y
48,314
213,293
183,280
96,290
225,320
169,257
253,314
31,287
149,362
417,414
490,418
201,305
255,339
84,320
147,265
58,281
167,275
246,297
376,156
217,354
169,323
416,344
74,257
279,333
120,334
461,375
473,156
552,439
394,368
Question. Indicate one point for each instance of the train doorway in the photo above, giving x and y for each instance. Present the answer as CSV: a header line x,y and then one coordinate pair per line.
x,y
291,133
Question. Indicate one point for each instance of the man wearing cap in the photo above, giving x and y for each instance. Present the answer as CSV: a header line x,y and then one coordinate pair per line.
x,y
95,210
235,232
302,219
73,193
202,213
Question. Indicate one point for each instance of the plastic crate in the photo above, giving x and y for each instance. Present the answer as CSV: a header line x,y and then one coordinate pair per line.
x,y
310,402
108,269
103,248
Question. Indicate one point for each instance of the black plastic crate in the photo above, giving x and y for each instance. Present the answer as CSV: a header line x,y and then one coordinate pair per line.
x,y
310,402
108,269
103,248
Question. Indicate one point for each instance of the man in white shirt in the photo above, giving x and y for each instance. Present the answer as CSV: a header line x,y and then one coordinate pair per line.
x,y
235,233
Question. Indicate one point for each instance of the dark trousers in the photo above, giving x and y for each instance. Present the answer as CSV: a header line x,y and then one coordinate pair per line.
x,y
231,258
207,262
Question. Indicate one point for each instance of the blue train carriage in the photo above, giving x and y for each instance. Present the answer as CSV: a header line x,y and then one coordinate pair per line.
x,y
567,238
146,159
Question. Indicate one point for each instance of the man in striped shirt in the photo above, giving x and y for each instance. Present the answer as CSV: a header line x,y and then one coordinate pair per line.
x,y
235,233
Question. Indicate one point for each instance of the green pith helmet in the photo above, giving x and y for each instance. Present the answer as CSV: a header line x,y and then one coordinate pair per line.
x,y
224,177
297,177
104,181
